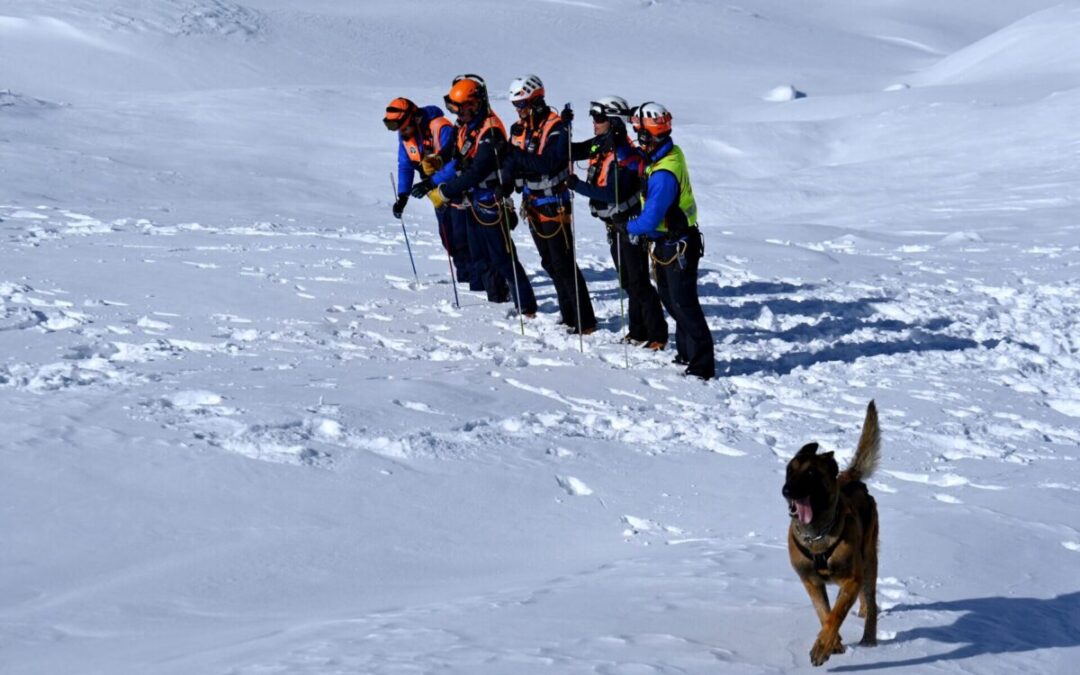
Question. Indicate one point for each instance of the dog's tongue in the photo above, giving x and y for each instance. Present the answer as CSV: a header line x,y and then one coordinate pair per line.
x,y
804,511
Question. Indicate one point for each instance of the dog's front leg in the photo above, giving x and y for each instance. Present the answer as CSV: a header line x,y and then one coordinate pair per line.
x,y
820,599
828,640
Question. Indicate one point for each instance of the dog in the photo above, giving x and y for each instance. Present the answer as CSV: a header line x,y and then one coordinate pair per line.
x,y
833,535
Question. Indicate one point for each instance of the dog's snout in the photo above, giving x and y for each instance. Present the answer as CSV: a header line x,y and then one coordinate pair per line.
x,y
786,491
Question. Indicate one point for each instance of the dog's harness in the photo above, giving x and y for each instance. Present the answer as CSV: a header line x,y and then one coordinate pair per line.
x,y
820,560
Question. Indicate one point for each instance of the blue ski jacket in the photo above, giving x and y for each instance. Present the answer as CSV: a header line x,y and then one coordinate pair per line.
x,y
662,191
406,167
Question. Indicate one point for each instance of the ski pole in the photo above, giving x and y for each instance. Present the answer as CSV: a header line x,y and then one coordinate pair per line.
x,y
447,233
505,218
618,261
573,238
393,186
448,242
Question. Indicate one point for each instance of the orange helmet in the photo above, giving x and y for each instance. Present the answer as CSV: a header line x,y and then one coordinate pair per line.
x,y
466,89
651,118
399,113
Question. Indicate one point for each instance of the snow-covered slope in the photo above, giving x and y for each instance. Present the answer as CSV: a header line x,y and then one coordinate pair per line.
x,y
1039,46
238,438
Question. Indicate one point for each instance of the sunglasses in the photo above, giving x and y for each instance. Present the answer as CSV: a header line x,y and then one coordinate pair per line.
x,y
399,119
456,108
522,105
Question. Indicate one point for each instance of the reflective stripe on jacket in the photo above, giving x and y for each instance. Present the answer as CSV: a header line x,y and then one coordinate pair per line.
x,y
468,140
533,140
600,170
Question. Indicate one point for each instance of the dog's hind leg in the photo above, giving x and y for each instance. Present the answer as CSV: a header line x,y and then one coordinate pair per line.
x,y
870,611
868,608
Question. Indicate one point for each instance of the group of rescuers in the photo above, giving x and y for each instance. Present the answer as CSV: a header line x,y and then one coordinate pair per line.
x,y
641,193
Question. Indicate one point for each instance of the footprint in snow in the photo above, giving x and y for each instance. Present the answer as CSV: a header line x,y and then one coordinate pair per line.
x,y
417,406
893,592
655,384
403,284
573,486
192,400
948,499
148,324
639,526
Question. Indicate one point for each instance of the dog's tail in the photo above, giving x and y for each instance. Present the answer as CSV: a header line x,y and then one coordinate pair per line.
x,y
866,455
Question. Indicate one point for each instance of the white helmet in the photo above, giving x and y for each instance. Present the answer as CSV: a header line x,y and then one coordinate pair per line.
x,y
652,118
610,106
526,89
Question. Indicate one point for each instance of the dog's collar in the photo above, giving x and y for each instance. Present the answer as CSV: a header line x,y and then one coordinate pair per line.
x,y
820,560
828,530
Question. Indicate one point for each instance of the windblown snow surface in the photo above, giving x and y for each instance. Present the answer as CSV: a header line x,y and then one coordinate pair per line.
x,y
238,437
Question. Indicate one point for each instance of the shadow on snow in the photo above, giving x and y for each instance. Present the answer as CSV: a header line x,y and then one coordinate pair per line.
x,y
991,626
838,318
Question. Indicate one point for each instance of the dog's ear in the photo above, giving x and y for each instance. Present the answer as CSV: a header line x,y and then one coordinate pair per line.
x,y
830,463
808,450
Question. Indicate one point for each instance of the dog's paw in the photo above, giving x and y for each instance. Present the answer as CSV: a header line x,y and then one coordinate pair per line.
x,y
824,647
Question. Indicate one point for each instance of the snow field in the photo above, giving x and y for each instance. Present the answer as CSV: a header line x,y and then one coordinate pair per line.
x,y
238,437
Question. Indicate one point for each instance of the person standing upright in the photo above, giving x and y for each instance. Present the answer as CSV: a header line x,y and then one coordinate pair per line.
x,y
423,132
669,218
473,173
540,165
613,186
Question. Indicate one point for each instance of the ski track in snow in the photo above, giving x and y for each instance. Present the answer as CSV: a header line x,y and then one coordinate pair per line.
x,y
429,637
304,459
766,330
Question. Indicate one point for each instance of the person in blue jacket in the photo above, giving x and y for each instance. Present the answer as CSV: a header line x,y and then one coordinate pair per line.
x,y
613,187
669,218
472,170
422,134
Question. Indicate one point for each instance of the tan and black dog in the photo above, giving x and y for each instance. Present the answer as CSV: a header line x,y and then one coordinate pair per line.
x,y
833,536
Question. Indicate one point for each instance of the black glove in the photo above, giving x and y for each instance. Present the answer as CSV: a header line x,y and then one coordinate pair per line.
x,y
511,215
422,188
567,114
572,181
399,205
506,188
515,129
